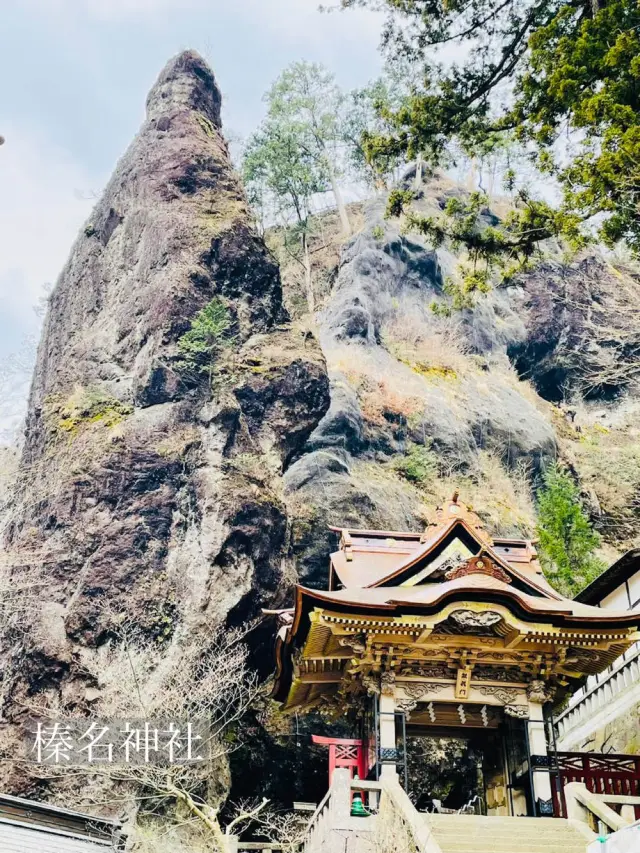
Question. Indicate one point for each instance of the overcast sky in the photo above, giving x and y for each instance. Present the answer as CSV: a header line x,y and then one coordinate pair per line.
x,y
74,75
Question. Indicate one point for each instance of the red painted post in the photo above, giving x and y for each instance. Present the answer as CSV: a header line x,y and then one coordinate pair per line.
x,y
344,752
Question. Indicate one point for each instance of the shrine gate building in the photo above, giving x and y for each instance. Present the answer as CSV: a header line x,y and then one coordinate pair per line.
x,y
445,633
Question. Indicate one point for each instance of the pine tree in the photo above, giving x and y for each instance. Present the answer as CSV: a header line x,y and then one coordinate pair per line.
x,y
200,346
567,539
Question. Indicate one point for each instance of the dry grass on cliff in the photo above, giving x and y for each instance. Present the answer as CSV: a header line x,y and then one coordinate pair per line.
x,y
607,455
434,351
386,390
325,244
503,497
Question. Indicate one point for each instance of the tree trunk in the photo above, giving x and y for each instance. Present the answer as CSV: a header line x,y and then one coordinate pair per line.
x,y
417,182
308,280
337,194
472,176
209,819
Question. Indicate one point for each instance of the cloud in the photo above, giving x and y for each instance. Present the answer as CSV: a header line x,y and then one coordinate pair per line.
x,y
44,198
301,20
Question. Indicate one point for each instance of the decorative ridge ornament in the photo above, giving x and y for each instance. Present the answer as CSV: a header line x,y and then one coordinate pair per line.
x,y
346,544
482,564
453,509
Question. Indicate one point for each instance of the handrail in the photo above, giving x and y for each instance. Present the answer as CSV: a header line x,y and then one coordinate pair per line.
x,y
418,827
583,705
321,806
334,813
617,667
590,808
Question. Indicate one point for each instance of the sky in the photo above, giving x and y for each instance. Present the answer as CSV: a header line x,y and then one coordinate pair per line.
x,y
74,75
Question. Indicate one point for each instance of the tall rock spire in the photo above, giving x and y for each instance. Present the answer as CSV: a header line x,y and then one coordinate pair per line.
x,y
148,491
185,83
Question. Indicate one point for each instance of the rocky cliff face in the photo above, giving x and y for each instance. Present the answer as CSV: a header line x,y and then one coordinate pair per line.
x,y
481,400
148,493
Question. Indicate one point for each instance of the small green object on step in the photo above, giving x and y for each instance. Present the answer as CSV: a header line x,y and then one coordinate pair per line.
x,y
357,807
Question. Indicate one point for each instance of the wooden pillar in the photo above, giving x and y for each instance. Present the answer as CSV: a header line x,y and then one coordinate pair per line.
x,y
387,718
542,794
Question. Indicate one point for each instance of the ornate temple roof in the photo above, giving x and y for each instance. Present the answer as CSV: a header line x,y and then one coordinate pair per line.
x,y
385,582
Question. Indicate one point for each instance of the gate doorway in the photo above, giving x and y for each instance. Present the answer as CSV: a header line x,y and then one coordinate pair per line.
x,y
466,757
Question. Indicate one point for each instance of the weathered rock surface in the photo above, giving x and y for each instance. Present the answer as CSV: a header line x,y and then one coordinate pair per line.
x,y
144,495
404,377
490,395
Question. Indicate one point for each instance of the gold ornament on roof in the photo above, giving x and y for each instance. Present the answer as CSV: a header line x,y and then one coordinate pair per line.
x,y
453,509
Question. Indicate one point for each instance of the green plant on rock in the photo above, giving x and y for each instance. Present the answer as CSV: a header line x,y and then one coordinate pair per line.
x,y
567,539
87,406
418,465
200,347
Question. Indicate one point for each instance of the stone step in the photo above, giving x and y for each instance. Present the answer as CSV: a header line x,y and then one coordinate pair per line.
x,y
500,830
514,847
492,819
508,845
541,825
480,834
524,832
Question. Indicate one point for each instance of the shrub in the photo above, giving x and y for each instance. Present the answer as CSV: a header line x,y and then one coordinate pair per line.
x,y
567,539
418,465
381,404
201,345
87,406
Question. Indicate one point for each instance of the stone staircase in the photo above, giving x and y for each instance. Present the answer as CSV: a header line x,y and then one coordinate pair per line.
x,y
476,834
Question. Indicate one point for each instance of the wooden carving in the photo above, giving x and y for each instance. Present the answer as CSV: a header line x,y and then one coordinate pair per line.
x,y
480,565
417,691
502,694
469,619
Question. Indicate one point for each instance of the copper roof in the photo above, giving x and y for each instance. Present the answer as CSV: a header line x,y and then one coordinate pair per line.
x,y
612,578
430,597
370,558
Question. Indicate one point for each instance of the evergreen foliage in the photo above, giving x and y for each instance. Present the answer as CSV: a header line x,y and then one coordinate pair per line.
x,y
567,539
200,346
559,76
418,465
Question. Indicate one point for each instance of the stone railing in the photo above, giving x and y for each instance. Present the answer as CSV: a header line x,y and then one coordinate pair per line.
x,y
333,829
585,705
598,811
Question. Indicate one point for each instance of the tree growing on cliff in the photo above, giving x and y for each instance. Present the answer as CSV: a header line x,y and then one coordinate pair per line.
x,y
200,346
307,99
282,176
567,539
548,71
